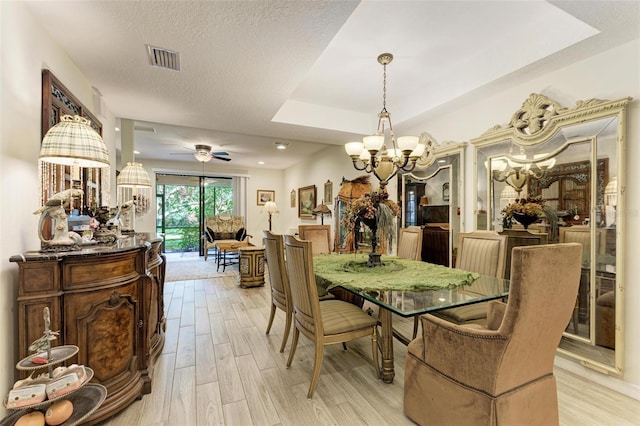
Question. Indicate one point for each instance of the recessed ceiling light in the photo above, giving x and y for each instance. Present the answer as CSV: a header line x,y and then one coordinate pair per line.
x,y
117,129
261,162
281,145
136,152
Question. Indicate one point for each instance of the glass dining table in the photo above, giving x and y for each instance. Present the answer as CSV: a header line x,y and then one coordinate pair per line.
x,y
404,287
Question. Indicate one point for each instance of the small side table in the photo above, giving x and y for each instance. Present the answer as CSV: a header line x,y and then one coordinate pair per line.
x,y
251,266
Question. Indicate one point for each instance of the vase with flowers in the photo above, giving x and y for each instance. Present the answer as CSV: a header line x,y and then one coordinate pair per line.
x,y
525,210
376,211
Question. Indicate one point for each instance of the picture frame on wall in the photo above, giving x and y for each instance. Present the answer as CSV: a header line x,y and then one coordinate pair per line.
x,y
307,198
264,196
445,191
328,192
293,198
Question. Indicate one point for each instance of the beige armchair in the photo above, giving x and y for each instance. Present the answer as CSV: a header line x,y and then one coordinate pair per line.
x,y
502,374
223,228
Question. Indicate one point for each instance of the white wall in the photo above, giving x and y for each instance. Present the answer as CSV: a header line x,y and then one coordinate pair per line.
x,y
25,50
332,164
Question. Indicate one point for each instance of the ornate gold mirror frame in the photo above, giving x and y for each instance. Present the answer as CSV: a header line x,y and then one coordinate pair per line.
x,y
431,186
574,159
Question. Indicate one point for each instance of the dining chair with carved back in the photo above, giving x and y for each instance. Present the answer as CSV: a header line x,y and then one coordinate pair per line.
x,y
324,323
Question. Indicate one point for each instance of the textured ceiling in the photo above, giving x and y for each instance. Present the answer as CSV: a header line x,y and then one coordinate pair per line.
x,y
255,72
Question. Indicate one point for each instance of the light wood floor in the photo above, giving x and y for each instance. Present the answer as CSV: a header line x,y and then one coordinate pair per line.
x,y
219,367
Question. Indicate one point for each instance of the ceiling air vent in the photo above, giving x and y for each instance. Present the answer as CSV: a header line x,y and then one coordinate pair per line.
x,y
163,58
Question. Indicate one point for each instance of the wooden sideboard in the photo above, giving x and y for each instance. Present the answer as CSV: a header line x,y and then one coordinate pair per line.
x,y
107,300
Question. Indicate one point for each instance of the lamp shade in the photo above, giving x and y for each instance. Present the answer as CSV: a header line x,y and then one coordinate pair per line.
x,y
73,142
322,209
270,207
133,175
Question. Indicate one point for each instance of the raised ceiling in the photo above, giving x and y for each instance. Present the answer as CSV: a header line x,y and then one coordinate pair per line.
x,y
305,72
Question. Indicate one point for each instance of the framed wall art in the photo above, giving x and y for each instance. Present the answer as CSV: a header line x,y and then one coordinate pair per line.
x,y
265,195
306,201
293,198
328,192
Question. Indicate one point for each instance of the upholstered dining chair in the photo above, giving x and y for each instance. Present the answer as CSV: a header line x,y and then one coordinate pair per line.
x,y
483,252
280,289
410,243
329,322
501,374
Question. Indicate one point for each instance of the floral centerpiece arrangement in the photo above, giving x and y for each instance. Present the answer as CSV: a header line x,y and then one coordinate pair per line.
x,y
376,211
525,210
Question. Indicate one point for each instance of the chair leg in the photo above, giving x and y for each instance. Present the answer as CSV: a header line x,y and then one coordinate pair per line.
x,y
317,366
294,345
344,346
287,327
271,316
416,324
374,349
576,308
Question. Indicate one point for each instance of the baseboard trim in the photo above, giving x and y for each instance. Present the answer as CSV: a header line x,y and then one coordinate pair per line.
x,y
613,383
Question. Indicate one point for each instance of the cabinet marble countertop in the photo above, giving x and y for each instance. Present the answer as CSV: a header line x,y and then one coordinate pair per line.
x,y
123,244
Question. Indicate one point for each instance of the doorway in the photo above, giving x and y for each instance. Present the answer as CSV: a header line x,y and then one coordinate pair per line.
x,y
183,202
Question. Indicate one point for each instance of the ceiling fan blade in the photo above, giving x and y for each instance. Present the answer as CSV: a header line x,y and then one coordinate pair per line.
x,y
220,153
221,158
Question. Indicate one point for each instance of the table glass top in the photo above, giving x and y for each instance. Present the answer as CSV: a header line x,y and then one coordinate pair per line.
x,y
429,293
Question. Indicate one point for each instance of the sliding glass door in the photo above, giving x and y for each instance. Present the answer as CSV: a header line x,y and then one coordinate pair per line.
x,y
184,202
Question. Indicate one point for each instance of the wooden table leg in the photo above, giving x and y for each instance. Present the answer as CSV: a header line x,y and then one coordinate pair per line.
x,y
386,346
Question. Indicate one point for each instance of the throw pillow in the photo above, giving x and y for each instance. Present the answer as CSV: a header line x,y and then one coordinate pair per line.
x,y
241,234
210,234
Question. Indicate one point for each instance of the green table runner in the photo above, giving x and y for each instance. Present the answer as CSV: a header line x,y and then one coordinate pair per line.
x,y
351,271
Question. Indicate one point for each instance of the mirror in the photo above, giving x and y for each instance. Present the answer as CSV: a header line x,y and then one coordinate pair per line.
x,y
573,160
431,198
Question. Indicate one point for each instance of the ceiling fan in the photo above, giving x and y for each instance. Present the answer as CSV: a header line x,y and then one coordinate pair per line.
x,y
203,154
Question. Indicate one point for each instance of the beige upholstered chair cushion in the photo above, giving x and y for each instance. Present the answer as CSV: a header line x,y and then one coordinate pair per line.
x,y
319,235
410,243
483,252
481,255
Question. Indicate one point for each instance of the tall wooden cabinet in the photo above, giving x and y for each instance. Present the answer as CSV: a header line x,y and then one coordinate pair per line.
x,y
108,301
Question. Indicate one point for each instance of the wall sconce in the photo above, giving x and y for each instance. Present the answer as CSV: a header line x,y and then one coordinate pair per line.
x,y
270,208
516,170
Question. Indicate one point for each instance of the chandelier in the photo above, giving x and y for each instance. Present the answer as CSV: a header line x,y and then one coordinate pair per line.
x,y
372,154
516,170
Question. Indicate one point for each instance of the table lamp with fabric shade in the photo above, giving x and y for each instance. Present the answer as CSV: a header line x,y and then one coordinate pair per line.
x,y
321,210
270,208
